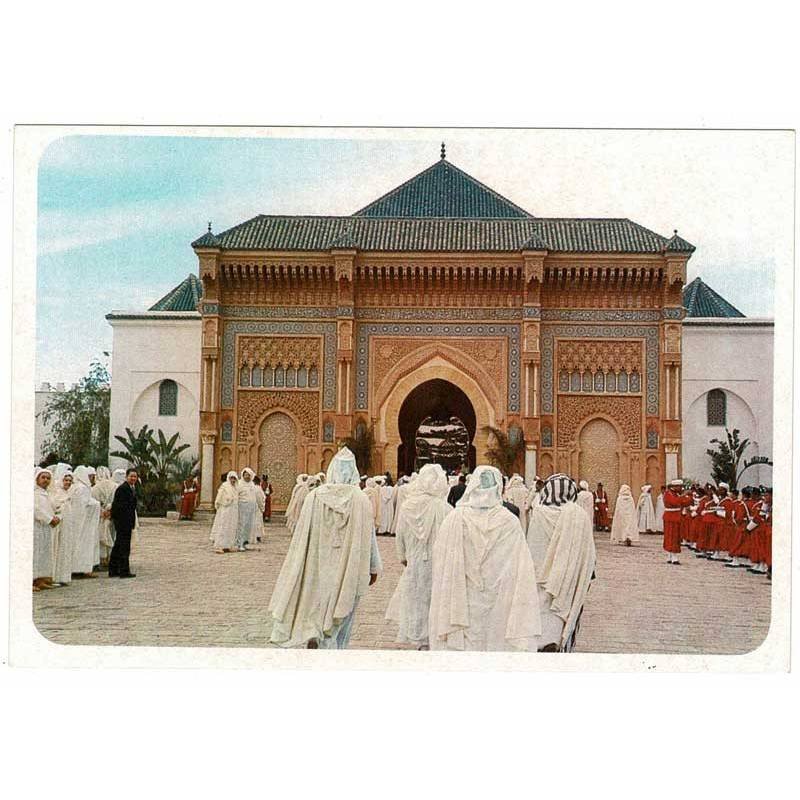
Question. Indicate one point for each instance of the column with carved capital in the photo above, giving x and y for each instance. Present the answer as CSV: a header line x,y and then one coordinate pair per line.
x,y
344,261
533,272
207,483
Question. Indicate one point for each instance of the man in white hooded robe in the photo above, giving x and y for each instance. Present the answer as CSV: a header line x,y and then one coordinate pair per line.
x,y
483,594
387,508
63,544
45,522
659,528
333,557
624,525
372,490
103,491
421,515
400,495
585,499
645,513
298,496
561,543
223,530
248,508
82,519
517,493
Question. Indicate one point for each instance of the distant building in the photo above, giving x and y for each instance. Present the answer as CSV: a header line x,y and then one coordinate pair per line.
x,y
727,381
155,368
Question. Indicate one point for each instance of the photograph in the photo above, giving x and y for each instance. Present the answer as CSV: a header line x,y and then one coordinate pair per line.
x,y
407,390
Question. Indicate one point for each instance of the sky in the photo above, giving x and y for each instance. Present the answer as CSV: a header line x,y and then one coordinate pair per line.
x,y
117,213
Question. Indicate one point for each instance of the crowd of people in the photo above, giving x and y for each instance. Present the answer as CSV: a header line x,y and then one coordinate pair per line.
x,y
243,505
83,521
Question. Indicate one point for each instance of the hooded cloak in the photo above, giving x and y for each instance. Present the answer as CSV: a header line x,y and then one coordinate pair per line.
x,y
585,499
624,525
517,493
420,517
82,519
328,566
483,594
645,513
43,513
103,492
223,531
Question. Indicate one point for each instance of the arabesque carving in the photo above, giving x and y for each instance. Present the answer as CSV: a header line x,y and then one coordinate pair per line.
x,y
573,410
279,351
589,354
254,404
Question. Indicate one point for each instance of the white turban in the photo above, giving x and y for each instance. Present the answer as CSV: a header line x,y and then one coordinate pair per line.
x,y
723,486
584,485
38,471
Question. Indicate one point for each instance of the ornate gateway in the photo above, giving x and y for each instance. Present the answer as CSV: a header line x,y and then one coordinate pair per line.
x,y
441,300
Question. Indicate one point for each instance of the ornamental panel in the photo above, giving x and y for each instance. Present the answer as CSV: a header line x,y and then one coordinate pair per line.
x,y
274,351
586,355
625,411
253,405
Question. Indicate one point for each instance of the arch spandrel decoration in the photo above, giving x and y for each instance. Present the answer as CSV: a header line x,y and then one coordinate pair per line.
x,y
625,411
254,404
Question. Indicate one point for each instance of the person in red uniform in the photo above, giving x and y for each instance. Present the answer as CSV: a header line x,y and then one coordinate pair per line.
x,y
708,515
675,500
722,524
762,545
696,524
738,533
188,498
601,521
267,488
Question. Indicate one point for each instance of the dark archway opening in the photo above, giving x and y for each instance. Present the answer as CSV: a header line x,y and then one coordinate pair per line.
x,y
448,421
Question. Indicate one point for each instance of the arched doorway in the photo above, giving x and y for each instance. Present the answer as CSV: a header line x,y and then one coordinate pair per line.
x,y
598,460
277,455
437,424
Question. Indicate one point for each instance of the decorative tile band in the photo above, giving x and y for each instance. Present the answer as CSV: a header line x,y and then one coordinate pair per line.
x,y
434,331
280,312
210,308
284,328
532,312
455,314
647,332
601,315
344,311
674,313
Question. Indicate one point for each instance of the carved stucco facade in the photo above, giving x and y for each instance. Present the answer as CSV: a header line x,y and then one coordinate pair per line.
x,y
369,348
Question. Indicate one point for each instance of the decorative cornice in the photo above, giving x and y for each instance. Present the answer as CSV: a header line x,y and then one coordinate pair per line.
x,y
438,314
601,315
279,312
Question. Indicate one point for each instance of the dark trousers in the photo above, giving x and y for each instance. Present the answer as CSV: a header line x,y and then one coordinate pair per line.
x,y
119,560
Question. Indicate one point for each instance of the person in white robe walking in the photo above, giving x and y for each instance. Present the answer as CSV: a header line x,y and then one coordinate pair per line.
x,y
645,513
387,508
561,542
420,517
517,493
373,491
45,521
248,508
585,499
624,525
659,525
401,492
298,496
63,544
483,594
103,491
226,519
82,519
333,557
257,528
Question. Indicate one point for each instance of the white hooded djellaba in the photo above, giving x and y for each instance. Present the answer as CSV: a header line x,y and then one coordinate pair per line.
x,y
373,491
63,544
562,545
400,494
483,595
223,531
248,507
299,492
103,492
645,513
82,519
421,515
624,525
387,508
585,499
517,493
43,514
332,554
659,528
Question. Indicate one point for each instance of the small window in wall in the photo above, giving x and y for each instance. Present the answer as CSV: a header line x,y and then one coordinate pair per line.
x,y
611,382
257,376
168,399
635,384
716,407
280,376
327,432
244,376
599,381
586,381
622,381
313,378
291,377
269,377
575,382
302,377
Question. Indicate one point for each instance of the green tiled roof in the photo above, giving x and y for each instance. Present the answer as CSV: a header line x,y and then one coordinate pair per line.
x,y
184,297
700,300
443,190
442,235
442,209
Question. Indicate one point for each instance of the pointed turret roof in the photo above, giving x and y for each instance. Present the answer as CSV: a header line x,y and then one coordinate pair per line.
x,y
443,190
676,244
700,300
184,297
208,239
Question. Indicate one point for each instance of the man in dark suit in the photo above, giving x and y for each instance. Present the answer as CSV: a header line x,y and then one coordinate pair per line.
x,y
458,490
123,515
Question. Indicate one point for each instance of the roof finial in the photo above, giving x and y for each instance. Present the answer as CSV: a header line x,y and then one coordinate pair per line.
x,y
675,231
209,226
442,156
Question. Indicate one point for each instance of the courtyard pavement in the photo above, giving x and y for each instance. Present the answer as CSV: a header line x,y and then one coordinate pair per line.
x,y
186,595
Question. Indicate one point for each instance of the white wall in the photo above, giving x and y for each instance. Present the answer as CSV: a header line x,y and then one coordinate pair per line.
x,y
735,355
146,350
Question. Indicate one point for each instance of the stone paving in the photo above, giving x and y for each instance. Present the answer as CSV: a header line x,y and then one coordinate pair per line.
x,y
186,595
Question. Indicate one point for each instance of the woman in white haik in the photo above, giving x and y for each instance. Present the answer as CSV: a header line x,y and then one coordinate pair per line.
x,y
423,510
645,513
227,517
562,546
483,594
299,491
624,525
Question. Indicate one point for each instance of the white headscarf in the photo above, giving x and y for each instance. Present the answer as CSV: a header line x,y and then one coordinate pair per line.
x,y
343,468
82,476
249,472
38,471
118,476
103,473
584,485
484,489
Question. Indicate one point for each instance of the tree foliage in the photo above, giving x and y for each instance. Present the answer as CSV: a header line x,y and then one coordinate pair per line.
x,y
78,419
160,466
726,456
504,451
361,444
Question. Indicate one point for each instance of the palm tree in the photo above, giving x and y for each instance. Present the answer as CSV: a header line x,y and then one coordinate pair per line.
x,y
504,451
